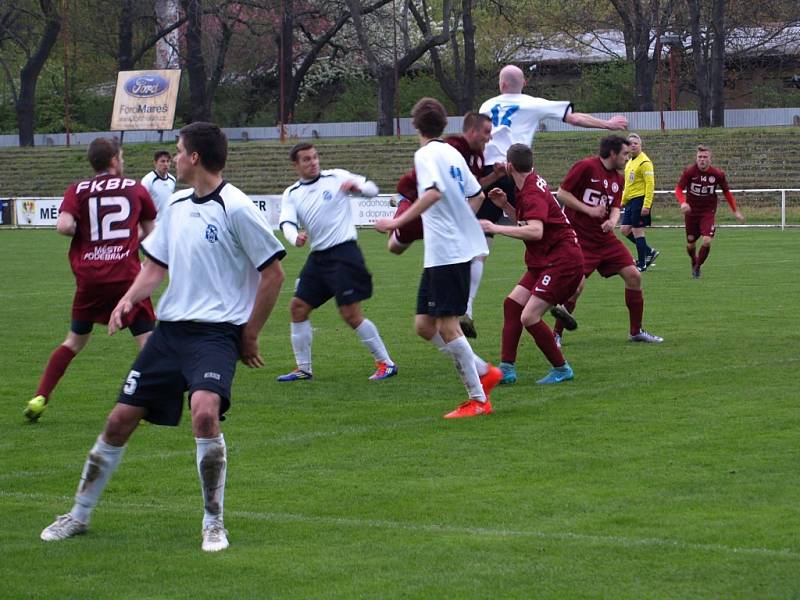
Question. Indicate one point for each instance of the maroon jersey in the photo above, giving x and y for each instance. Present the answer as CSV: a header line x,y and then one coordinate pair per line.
x,y
591,183
701,187
107,210
473,159
559,242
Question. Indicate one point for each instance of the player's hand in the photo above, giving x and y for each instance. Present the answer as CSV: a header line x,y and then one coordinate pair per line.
x,y
617,123
685,208
499,169
607,226
498,197
115,321
301,240
739,216
350,187
249,351
486,225
385,225
645,212
597,212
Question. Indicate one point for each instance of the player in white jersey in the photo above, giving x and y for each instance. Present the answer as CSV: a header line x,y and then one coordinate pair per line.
x,y
224,278
452,238
319,202
160,182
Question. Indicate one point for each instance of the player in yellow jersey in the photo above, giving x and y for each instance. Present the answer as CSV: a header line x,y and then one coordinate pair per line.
x,y
637,201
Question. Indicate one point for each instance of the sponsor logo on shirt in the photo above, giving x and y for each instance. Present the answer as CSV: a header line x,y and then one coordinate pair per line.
x,y
211,234
326,195
212,375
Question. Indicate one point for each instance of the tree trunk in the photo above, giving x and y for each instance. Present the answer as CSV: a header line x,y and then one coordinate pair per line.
x,y
286,75
700,65
195,63
386,92
718,64
644,76
29,75
167,46
468,91
125,41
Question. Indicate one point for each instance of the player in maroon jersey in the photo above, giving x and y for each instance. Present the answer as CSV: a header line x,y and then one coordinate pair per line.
x,y
591,193
552,256
699,204
102,215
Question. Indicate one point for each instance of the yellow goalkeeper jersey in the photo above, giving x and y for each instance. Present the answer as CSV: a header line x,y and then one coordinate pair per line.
x,y
640,180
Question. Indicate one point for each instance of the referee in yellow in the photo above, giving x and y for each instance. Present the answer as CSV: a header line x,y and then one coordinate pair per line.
x,y
637,201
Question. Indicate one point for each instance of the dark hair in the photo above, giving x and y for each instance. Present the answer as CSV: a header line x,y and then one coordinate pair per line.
x,y
160,153
612,143
521,157
473,120
429,117
101,151
210,143
298,148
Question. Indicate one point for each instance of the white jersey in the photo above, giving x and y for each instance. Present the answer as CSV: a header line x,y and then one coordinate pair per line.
x,y
321,208
160,188
515,119
452,233
214,248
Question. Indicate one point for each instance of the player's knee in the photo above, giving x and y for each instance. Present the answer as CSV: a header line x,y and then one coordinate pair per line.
x,y
119,426
299,310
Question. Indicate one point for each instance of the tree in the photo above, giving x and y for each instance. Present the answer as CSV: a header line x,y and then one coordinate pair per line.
x,y
33,33
379,57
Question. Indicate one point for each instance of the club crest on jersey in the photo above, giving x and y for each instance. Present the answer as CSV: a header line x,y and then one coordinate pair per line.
x,y
326,195
712,179
615,187
211,234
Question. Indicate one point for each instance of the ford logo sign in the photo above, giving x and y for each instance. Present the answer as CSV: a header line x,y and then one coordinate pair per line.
x,y
146,86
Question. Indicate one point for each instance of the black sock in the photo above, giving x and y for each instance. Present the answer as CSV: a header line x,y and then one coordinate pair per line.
x,y
641,249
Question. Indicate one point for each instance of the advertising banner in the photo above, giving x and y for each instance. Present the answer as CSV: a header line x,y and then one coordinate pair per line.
x,y
145,100
36,212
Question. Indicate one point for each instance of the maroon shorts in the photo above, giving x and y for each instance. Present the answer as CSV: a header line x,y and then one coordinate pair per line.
x,y
555,284
608,260
94,302
411,231
700,224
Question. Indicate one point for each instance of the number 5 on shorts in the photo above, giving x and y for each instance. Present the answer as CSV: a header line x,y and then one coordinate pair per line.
x,y
131,383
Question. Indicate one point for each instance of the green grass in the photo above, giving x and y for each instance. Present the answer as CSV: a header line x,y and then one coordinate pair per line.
x,y
666,471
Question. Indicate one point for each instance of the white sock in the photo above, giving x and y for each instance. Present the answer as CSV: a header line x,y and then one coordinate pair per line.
x,y
370,337
475,276
97,470
301,344
464,359
212,466
480,365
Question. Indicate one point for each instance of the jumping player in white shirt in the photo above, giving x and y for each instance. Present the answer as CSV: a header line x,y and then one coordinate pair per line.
x,y
452,238
319,203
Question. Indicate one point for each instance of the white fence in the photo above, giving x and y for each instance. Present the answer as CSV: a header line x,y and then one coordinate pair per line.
x,y
33,212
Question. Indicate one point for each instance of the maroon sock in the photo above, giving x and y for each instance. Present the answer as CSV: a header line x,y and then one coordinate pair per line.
x,y
634,300
559,326
512,330
544,339
692,255
703,255
58,363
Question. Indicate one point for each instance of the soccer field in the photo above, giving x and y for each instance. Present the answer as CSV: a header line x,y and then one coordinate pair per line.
x,y
661,471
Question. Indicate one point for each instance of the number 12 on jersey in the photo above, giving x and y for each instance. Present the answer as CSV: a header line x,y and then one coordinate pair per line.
x,y
505,119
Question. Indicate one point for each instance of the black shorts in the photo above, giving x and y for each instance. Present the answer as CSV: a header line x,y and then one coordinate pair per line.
x,y
182,356
444,291
632,213
338,272
488,210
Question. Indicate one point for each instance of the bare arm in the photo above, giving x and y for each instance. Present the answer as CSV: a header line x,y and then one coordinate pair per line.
x,y
615,123
531,231
147,228
269,286
428,199
475,202
145,283
568,199
500,200
66,224
611,222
